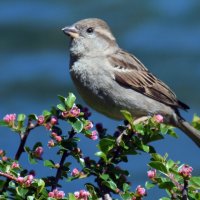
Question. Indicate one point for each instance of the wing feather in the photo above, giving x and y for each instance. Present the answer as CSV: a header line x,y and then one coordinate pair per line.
x,y
130,72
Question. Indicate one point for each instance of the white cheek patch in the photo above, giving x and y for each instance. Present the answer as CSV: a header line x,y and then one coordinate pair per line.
x,y
105,33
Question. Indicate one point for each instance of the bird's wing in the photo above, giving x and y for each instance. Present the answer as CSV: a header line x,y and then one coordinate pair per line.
x,y
130,72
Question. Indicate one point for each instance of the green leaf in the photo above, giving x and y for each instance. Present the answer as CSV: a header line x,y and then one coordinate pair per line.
x,y
164,198
164,128
157,157
127,116
49,163
27,149
101,155
106,144
156,137
126,187
37,144
30,198
170,163
91,190
145,148
82,162
71,196
33,116
31,159
40,185
46,113
149,185
139,128
105,177
196,122
12,184
110,184
69,102
159,166
61,107
62,99
195,181
21,191
126,196
172,133
77,124
21,117
166,185
3,123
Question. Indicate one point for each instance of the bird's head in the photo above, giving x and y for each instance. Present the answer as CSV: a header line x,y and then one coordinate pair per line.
x,y
90,37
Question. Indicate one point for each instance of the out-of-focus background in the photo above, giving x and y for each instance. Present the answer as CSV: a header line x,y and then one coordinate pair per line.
x,y
34,57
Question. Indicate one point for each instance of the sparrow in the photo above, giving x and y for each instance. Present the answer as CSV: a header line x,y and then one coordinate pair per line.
x,y
110,79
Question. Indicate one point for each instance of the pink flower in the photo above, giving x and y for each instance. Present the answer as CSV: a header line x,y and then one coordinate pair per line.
x,y
186,171
56,194
158,118
10,118
54,120
1,152
60,195
28,180
38,152
151,173
82,194
74,112
94,135
30,177
51,194
40,119
51,143
140,191
53,134
48,126
4,158
77,194
20,179
15,165
89,125
75,172
65,114
58,138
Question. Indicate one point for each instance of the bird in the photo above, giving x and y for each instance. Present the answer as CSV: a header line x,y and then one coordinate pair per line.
x,y
111,79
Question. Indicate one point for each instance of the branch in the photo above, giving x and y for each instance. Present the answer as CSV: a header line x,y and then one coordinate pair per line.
x,y
185,190
8,176
61,164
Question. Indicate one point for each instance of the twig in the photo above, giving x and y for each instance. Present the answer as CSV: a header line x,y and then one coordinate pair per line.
x,y
59,171
23,139
185,190
61,164
20,148
8,176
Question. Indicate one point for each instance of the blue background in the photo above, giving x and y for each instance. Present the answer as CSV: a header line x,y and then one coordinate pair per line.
x,y
165,35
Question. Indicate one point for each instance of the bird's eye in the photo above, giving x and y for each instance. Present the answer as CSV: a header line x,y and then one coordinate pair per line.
x,y
90,30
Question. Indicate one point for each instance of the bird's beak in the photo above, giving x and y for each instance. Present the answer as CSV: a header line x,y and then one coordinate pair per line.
x,y
71,31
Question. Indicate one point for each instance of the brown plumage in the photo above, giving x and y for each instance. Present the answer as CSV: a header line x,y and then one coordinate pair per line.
x,y
132,73
110,79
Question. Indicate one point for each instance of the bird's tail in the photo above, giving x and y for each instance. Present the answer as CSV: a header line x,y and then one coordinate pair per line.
x,y
190,131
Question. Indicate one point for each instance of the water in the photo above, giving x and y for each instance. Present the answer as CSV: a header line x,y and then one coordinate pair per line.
x,y
165,35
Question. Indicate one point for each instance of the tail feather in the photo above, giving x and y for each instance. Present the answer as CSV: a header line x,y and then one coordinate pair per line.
x,y
190,131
